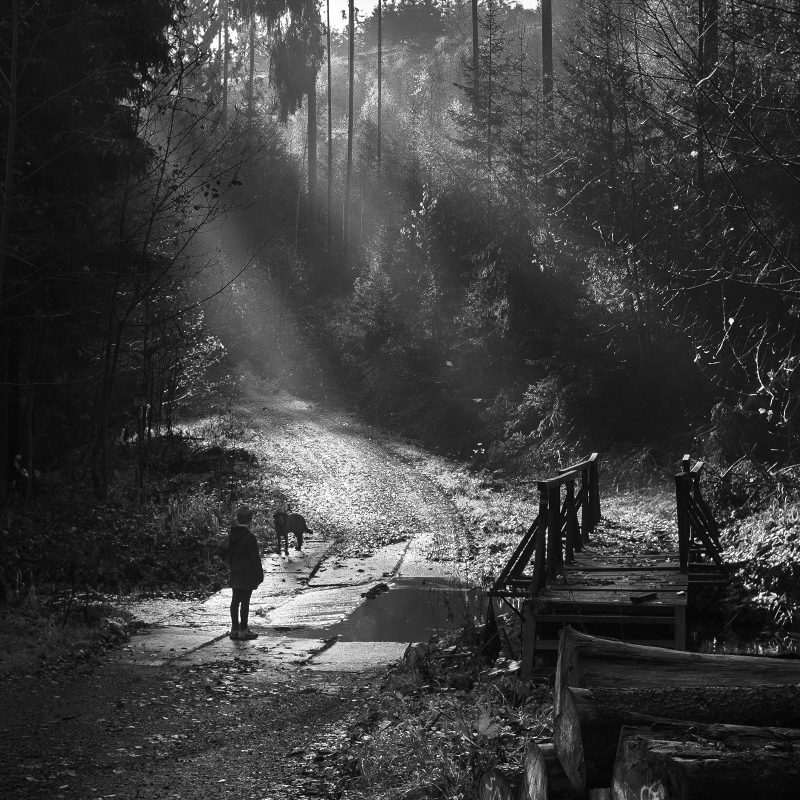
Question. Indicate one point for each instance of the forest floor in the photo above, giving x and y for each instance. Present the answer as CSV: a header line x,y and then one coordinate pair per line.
x,y
179,710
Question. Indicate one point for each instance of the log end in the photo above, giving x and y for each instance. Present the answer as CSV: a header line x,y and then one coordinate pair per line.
x,y
632,776
534,774
493,786
568,742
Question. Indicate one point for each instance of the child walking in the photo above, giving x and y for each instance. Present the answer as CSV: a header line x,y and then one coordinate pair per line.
x,y
246,572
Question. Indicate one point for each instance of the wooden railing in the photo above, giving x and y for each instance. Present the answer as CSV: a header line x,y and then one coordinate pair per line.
x,y
697,529
561,528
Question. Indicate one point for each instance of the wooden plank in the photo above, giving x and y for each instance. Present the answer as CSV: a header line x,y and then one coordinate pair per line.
x,y
662,554
621,574
580,465
630,581
667,619
528,639
612,561
625,562
557,480
580,592
621,586
612,598
552,644
680,628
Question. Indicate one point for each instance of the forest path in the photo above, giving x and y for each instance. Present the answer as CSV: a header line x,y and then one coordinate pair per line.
x,y
182,711
384,544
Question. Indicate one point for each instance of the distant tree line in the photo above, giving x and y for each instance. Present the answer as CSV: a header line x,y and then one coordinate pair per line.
x,y
609,194
540,229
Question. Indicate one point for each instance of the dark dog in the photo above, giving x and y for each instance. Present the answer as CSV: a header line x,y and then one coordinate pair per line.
x,y
284,523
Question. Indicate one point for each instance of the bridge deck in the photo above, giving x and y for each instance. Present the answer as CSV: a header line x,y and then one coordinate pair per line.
x,y
640,598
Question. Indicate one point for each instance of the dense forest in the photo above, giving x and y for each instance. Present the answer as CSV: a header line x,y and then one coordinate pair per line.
x,y
517,234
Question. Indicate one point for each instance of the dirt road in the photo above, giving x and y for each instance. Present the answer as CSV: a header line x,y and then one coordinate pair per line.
x,y
182,711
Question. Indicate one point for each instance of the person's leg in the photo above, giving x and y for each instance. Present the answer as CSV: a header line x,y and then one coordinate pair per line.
x,y
244,632
244,612
236,599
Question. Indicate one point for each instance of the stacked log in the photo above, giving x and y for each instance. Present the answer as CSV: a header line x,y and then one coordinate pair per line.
x,y
590,661
685,760
632,693
654,723
587,729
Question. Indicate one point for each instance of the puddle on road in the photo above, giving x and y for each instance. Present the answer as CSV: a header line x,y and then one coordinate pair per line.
x,y
413,610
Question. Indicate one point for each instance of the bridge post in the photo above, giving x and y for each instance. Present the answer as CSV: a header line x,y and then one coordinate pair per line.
x,y
573,539
594,483
554,556
540,552
703,509
586,512
682,483
528,637
539,582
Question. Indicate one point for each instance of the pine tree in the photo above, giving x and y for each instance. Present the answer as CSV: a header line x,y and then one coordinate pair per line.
x,y
483,125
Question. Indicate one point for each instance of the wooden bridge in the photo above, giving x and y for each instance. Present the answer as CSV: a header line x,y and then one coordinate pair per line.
x,y
555,577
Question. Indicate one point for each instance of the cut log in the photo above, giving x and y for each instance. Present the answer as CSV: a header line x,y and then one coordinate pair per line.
x,y
670,760
591,661
493,786
587,728
543,776
534,774
738,705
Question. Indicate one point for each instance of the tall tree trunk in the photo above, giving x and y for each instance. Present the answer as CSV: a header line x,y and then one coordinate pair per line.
x,y
349,177
224,62
490,12
99,460
251,90
707,54
312,149
709,32
547,53
330,127
27,402
475,56
380,80
5,223
5,396
11,135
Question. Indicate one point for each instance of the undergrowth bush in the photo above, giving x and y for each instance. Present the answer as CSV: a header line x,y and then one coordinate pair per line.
x,y
113,547
443,718
766,547
169,533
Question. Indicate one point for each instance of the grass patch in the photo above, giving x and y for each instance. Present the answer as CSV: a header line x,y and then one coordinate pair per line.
x,y
441,719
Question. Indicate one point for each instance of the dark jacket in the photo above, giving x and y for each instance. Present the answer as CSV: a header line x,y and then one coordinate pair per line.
x,y
244,558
